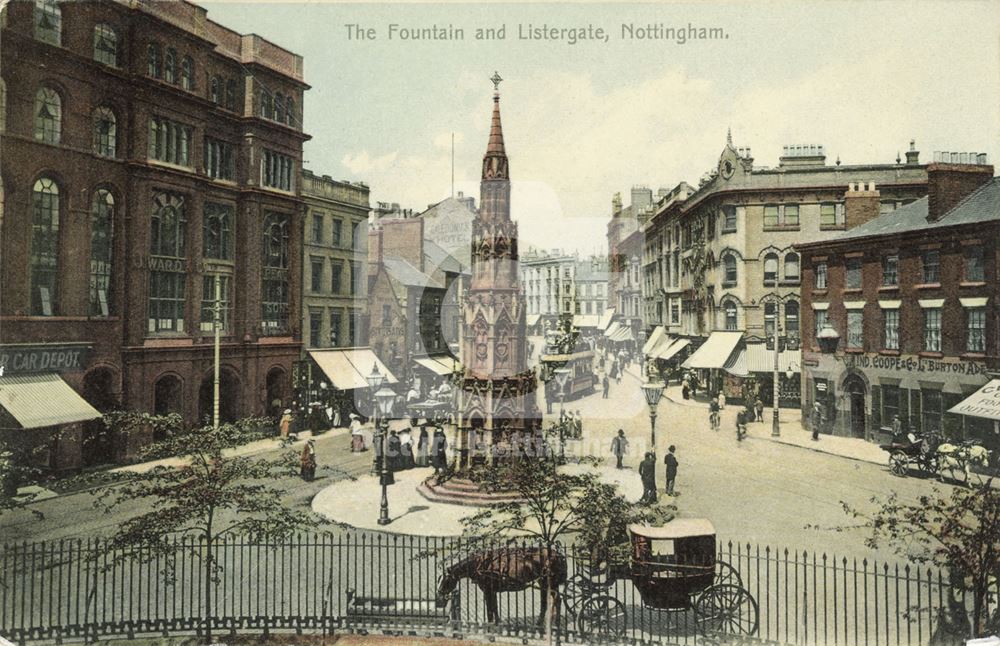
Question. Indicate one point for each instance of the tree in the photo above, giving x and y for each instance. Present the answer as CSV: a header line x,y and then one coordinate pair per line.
x,y
209,495
556,505
960,532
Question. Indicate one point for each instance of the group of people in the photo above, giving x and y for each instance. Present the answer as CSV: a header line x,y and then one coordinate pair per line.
x,y
647,471
399,453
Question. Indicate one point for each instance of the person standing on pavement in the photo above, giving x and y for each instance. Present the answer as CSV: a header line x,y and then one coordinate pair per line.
x,y
713,414
722,400
285,425
439,455
422,443
671,461
307,461
741,425
758,408
647,471
619,446
817,420
393,452
357,435
605,385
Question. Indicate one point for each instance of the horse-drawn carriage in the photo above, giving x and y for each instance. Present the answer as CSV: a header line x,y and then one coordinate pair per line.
x,y
674,568
932,454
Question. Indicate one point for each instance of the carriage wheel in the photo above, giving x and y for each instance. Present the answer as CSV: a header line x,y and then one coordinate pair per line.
x,y
601,616
726,574
726,609
898,463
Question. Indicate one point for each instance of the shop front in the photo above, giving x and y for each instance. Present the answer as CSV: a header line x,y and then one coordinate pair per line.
x,y
338,379
861,393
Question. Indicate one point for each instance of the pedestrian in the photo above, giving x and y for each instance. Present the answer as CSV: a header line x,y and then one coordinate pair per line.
x,y
285,425
686,390
307,461
422,444
647,471
439,455
618,373
392,452
713,414
897,429
671,461
619,446
605,384
578,423
722,400
406,460
817,421
758,407
741,424
357,435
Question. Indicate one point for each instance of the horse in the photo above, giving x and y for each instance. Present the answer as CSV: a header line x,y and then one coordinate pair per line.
x,y
951,458
506,569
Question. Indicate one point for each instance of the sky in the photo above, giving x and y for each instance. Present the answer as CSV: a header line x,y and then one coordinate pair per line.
x,y
584,121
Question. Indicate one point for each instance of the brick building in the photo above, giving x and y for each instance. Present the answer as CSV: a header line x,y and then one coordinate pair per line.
x,y
150,155
913,295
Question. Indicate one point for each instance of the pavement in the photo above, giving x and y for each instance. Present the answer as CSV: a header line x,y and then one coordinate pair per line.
x,y
358,505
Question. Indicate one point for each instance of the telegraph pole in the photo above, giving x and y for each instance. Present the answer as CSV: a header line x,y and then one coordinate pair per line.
x,y
216,326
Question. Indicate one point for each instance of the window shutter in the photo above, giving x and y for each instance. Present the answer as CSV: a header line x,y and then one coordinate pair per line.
x,y
876,408
916,419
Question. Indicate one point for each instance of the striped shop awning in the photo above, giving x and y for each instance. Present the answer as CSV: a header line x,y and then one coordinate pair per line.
x,y
40,400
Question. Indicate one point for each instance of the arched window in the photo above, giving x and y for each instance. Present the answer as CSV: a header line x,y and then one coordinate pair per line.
x,y
169,226
792,267
48,115
265,104
279,107
217,231
153,60
231,94
105,132
274,299
792,318
170,66
729,270
770,269
187,73
290,111
44,246
214,90
770,316
48,21
731,322
102,211
106,44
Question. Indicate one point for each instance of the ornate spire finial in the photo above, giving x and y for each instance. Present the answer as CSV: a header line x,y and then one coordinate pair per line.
x,y
496,82
729,136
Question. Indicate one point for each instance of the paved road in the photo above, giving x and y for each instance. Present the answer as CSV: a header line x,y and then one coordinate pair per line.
x,y
756,491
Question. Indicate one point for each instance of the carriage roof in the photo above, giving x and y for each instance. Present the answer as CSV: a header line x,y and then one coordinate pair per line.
x,y
676,528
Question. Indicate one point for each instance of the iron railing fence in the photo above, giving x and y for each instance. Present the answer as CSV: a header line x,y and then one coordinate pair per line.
x,y
89,589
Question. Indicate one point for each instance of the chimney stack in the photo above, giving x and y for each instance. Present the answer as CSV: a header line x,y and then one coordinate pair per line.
x,y
861,204
950,183
912,155
374,248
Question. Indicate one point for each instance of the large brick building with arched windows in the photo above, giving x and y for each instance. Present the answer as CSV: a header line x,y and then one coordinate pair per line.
x,y
151,156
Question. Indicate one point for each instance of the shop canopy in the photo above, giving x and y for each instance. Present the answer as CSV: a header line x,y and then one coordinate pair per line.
x,y
667,351
531,320
41,400
612,330
585,320
984,403
715,351
348,368
623,334
658,334
755,357
440,364
605,320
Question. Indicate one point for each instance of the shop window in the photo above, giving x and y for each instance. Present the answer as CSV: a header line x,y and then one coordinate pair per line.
x,y
44,247
102,210
890,405
48,115
105,132
931,411
106,45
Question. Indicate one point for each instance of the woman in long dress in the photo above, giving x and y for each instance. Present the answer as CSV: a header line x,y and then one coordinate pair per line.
x,y
406,450
422,443
357,435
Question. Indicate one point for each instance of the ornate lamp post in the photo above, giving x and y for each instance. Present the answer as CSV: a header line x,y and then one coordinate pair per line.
x,y
375,381
561,376
384,398
652,391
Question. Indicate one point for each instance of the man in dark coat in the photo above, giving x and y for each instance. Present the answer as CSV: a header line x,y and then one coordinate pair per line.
x,y
671,461
394,452
439,457
647,471
619,446
605,384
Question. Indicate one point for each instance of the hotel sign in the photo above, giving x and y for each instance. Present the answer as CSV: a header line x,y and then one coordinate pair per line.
x,y
22,359
913,363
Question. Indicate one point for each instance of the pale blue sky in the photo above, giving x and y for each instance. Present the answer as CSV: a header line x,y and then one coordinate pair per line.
x,y
584,121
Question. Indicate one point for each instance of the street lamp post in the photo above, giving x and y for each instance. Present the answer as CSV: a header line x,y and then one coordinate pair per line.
x,y
375,380
216,328
776,391
384,398
562,376
652,391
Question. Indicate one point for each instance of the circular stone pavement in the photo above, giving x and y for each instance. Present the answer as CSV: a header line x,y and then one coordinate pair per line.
x,y
356,503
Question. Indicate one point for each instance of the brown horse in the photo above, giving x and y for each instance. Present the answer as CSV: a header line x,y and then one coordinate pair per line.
x,y
506,569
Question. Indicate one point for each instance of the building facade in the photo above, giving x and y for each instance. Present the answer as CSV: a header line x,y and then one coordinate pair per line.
x,y
549,279
151,157
913,296
590,287
334,262
728,257
625,249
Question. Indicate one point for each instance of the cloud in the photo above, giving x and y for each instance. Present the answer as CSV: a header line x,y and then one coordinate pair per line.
x,y
363,162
